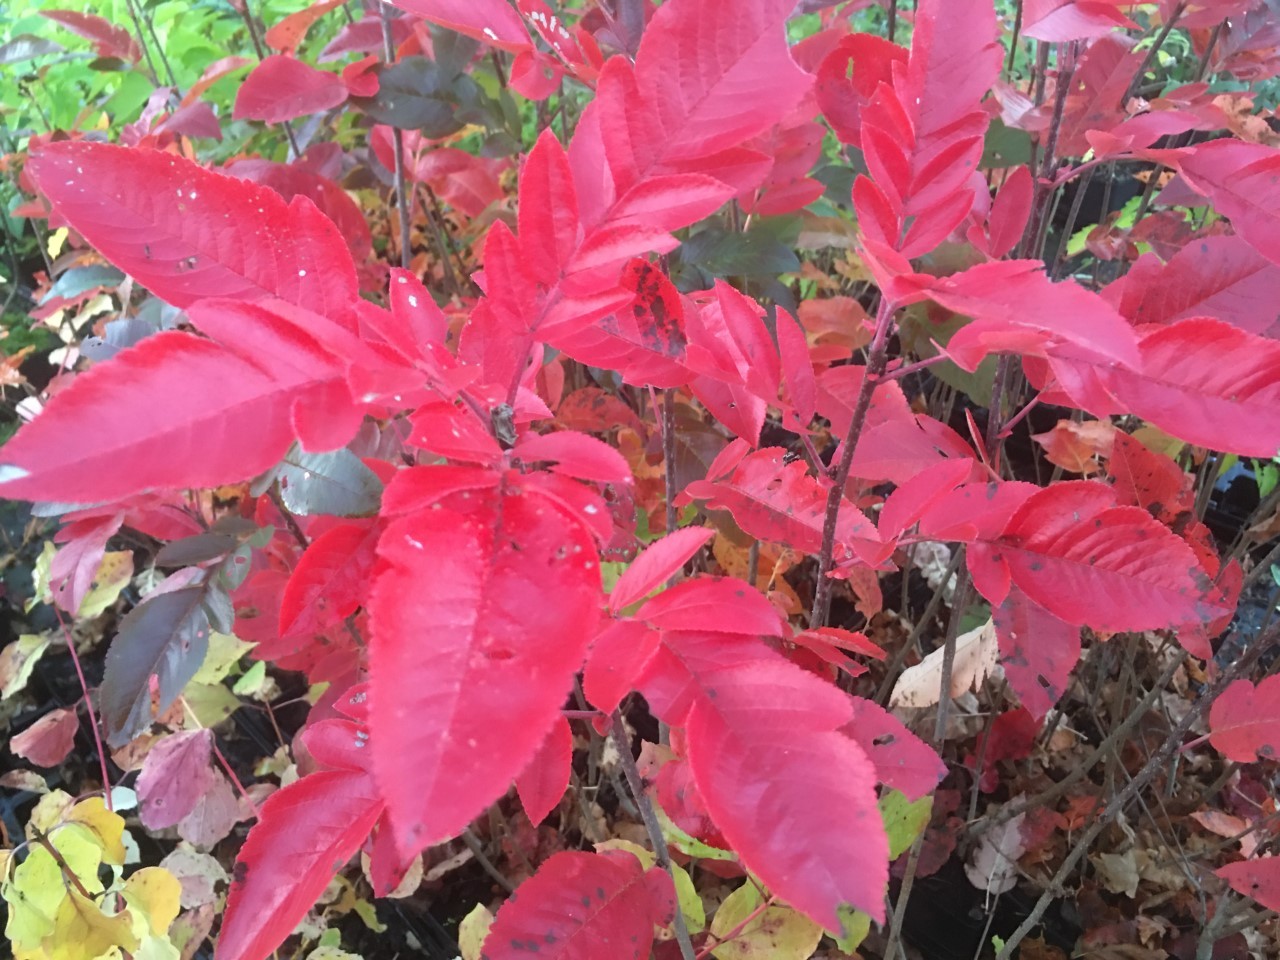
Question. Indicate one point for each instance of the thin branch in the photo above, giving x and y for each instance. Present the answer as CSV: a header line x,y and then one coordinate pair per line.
x,y
877,360
623,744
88,705
959,604
404,203
477,850
1144,776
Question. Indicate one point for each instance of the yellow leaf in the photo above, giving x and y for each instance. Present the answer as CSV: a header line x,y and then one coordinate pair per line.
x,y
472,931
225,651
83,932
34,895
105,826
18,659
114,574
210,703
156,894
777,933
645,857
57,240
49,811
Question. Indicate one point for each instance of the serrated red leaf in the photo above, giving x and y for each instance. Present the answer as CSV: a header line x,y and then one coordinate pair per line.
x,y
282,88
1220,277
1037,650
902,760
489,21
286,35
543,782
659,561
717,604
1244,722
780,502
464,643
109,39
772,770
1240,180
576,455
1058,21
223,419
307,831
549,229
1071,541
187,233
331,579
1206,382
583,906
619,655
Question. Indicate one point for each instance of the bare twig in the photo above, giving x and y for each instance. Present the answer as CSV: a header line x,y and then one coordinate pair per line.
x,y
1158,761
877,360
623,744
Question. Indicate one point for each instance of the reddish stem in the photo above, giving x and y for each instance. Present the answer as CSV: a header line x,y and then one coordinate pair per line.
x,y
88,704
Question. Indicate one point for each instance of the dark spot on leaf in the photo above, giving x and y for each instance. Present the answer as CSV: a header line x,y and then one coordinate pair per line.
x,y
884,740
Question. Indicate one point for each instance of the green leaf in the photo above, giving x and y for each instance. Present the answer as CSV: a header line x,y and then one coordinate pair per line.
x,y
903,821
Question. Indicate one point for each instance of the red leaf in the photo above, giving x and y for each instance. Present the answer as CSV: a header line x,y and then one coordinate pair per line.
x,y
1244,722
1037,650
465,643
1240,180
1220,277
902,760
717,604
1208,383
308,831
797,368
1149,480
289,180
1071,541
735,79
489,21
187,233
49,740
1015,307
281,88
331,579
619,655
780,502
222,420
74,566
549,228
576,455
109,40
849,76
659,561
1259,879
175,775
1057,21
543,782
583,906
773,772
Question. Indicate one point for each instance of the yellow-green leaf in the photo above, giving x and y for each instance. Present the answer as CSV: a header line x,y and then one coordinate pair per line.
x,y
114,574
225,651
903,821
34,895
777,933
857,925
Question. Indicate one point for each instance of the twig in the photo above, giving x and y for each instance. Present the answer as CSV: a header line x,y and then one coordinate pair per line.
x,y
1144,776
477,849
904,894
886,687
88,705
404,203
959,604
1081,770
877,360
669,455
623,744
